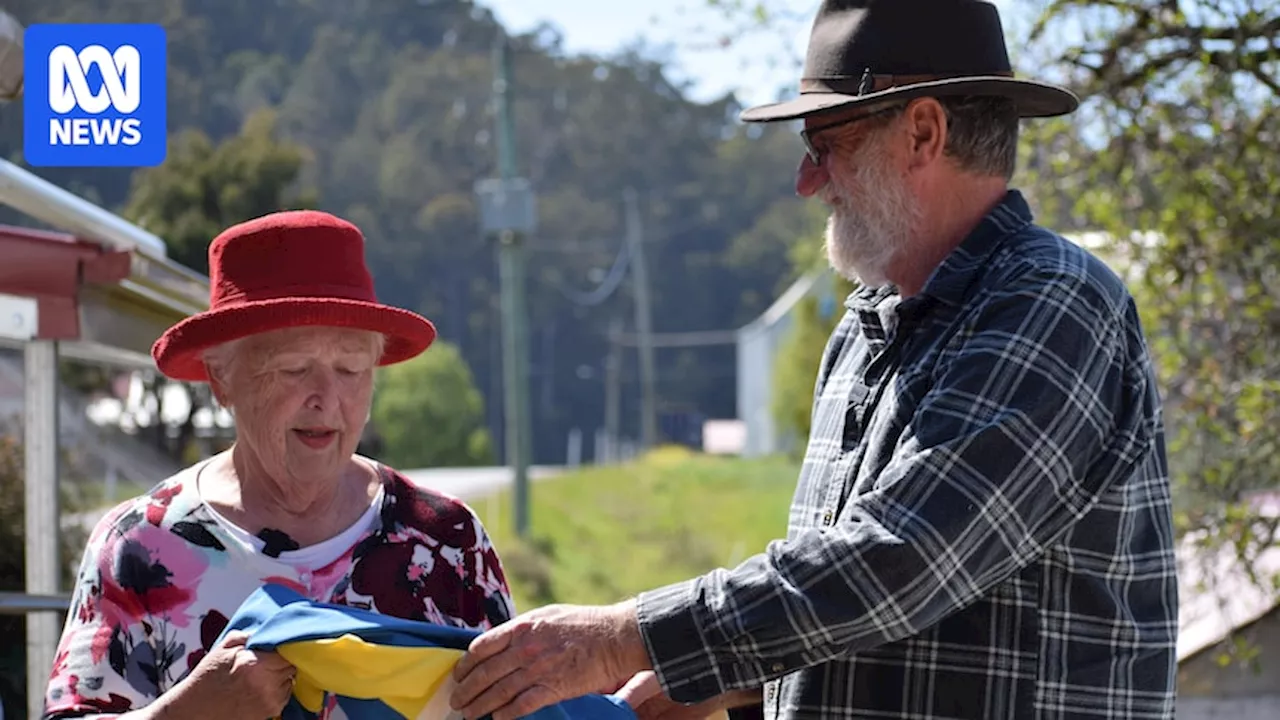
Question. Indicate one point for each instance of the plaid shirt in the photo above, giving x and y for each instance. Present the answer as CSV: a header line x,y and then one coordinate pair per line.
x,y
982,525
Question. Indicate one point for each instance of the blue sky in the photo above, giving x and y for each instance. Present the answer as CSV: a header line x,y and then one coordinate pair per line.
x,y
603,27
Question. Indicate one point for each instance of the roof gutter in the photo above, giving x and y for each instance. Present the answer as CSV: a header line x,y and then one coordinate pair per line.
x,y
41,199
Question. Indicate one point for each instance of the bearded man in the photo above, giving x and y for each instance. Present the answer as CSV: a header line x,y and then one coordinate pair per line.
x,y
981,529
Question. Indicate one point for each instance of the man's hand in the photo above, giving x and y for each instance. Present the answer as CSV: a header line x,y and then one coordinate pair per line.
x,y
546,656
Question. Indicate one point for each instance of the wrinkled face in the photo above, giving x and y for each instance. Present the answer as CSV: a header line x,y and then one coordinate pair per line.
x,y
301,397
873,208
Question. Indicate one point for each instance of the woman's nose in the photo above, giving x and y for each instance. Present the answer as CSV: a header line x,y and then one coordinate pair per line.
x,y
323,387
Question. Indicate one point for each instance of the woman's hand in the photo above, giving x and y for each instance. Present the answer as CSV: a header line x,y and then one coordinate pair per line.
x,y
230,682
645,696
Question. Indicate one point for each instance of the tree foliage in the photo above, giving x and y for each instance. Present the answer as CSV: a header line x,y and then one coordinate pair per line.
x,y
428,413
203,187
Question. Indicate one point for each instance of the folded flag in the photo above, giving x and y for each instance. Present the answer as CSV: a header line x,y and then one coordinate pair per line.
x,y
379,667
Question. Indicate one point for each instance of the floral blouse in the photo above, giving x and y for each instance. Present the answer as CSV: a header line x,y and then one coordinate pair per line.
x,y
162,573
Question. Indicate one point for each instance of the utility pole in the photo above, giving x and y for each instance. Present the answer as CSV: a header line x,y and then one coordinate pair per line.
x,y
644,321
507,211
613,390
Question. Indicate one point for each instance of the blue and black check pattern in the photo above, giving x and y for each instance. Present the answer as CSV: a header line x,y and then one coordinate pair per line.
x,y
982,526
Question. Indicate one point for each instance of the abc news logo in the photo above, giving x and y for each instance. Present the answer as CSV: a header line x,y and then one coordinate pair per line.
x,y
121,90
106,103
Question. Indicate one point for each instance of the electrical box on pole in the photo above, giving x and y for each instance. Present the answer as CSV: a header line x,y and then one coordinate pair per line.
x,y
506,205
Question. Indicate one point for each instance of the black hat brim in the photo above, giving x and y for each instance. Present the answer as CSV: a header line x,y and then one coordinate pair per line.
x,y
1033,99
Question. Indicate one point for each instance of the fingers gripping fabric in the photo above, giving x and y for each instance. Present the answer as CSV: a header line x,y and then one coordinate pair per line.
x,y
378,667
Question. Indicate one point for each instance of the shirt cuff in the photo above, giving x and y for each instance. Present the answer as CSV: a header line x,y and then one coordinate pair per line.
x,y
682,655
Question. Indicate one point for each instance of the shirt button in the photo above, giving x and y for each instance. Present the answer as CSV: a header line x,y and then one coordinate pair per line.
x,y
778,667
827,517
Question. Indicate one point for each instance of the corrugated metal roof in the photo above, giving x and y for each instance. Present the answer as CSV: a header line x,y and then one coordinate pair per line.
x,y
1218,593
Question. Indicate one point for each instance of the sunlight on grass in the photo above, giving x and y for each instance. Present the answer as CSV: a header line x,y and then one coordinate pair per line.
x,y
604,533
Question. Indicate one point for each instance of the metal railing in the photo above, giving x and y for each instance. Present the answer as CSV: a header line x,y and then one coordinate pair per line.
x,y
14,603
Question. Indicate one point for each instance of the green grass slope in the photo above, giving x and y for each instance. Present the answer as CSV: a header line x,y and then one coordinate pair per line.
x,y
604,533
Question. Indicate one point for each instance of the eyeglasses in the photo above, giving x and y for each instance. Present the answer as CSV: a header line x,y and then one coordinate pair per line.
x,y
807,135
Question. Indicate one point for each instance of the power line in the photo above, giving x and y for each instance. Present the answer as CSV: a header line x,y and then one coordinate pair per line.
x,y
611,282
699,338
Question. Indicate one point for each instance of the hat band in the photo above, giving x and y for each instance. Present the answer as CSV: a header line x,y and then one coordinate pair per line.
x,y
237,296
869,82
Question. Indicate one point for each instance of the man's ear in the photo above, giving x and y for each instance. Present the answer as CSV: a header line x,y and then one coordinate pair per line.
x,y
926,122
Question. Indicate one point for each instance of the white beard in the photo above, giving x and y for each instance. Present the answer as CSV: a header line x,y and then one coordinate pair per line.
x,y
868,227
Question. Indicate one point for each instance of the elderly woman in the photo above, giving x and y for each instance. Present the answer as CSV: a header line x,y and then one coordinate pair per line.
x,y
289,344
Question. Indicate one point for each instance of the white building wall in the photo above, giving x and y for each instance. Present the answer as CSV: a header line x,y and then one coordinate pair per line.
x,y
758,345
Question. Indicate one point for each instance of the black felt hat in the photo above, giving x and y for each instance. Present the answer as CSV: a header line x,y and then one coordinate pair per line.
x,y
871,51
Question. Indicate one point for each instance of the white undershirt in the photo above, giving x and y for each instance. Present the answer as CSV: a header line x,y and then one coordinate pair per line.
x,y
312,557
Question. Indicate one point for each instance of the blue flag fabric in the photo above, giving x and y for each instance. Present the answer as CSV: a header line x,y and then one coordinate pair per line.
x,y
379,667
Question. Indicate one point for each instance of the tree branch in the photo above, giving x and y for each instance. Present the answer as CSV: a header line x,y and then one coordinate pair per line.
x,y
1146,23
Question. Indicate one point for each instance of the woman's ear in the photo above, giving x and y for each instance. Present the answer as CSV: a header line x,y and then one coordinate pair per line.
x,y
217,386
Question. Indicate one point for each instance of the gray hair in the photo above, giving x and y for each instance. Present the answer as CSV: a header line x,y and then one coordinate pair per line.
x,y
222,359
982,134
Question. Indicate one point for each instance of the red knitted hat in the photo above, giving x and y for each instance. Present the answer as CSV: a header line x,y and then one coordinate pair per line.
x,y
287,269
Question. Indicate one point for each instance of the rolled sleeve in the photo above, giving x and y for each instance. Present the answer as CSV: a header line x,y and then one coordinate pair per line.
x,y
1037,412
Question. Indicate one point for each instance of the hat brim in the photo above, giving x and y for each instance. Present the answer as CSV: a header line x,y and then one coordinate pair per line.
x,y
179,351
1033,99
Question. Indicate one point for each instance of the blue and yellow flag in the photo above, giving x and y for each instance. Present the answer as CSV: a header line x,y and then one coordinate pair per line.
x,y
379,667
